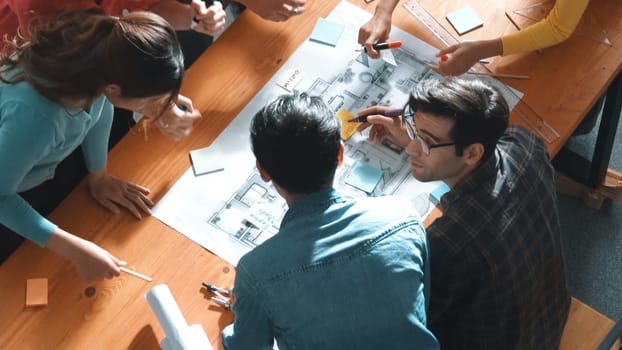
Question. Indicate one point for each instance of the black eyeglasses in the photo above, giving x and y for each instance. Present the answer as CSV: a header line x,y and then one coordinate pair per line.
x,y
408,121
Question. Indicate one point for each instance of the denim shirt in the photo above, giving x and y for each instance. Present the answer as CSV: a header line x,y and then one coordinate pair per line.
x,y
340,274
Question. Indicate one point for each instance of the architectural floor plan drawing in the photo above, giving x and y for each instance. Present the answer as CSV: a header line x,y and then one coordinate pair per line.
x,y
232,211
252,214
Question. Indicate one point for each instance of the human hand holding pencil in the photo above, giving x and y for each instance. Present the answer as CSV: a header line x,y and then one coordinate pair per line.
x,y
384,121
362,118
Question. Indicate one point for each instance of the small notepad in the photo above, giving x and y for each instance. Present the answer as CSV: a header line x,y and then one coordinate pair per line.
x,y
36,291
327,32
364,177
206,160
464,20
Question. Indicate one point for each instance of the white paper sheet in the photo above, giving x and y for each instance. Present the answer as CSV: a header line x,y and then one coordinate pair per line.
x,y
232,211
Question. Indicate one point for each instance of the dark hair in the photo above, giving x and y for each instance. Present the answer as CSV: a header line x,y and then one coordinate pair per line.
x,y
78,52
479,111
296,139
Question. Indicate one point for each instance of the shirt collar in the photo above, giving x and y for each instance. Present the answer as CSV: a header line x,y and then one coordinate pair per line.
x,y
482,178
313,202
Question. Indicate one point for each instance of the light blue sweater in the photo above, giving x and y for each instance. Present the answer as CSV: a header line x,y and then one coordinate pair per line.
x,y
36,134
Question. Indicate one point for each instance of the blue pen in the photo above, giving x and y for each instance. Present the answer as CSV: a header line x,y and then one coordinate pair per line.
x,y
219,298
213,288
392,113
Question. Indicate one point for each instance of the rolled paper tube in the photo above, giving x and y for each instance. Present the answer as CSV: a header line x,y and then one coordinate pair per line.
x,y
166,310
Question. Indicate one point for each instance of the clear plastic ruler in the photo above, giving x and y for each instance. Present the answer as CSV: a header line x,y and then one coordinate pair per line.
x,y
522,109
536,12
430,22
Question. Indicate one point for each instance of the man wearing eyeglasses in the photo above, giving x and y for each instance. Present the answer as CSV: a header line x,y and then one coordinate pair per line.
x,y
497,267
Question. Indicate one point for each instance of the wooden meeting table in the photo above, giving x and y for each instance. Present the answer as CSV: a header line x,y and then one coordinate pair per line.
x,y
565,82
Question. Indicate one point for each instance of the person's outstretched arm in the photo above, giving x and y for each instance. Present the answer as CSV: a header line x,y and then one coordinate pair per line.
x,y
24,141
378,28
554,29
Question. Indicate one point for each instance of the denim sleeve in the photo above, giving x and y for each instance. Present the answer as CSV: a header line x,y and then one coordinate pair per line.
x,y
252,328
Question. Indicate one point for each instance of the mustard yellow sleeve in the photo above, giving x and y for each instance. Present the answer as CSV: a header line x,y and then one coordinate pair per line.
x,y
552,30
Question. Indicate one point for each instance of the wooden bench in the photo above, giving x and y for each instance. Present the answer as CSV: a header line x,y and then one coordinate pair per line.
x,y
585,328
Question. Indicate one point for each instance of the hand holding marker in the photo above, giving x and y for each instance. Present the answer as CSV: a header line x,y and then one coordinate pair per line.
x,y
384,46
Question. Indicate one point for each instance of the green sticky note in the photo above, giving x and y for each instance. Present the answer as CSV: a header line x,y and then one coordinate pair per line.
x,y
464,20
364,177
207,160
327,32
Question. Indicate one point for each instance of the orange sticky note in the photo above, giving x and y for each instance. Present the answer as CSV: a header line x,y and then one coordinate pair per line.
x,y
347,128
36,291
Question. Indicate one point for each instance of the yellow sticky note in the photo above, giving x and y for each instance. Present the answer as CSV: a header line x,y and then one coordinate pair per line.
x,y
290,78
36,291
347,128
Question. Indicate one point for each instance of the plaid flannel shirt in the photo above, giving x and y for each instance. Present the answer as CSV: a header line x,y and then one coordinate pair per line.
x,y
498,272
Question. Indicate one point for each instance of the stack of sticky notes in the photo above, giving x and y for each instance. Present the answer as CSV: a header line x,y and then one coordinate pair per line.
x,y
438,192
464,20
36,292
327,32
364,177
207,160
347,128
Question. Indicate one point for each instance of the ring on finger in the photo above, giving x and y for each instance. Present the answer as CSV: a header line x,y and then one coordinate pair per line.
x,y
295,10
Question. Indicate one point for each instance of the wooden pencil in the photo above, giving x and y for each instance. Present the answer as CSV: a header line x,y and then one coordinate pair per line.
x,y
135,274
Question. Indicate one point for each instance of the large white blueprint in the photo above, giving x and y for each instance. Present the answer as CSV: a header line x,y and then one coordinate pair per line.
x,y
232,211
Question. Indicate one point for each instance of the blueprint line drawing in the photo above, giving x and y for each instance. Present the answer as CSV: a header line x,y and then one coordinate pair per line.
x,y
232,211
252,214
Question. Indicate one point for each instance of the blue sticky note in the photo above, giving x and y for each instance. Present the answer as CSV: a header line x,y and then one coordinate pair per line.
x,y
364,177
327,32
438,192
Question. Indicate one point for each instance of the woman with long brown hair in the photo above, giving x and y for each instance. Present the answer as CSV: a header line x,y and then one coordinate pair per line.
x,y
57,93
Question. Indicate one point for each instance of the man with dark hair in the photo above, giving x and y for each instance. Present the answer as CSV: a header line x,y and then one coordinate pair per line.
x,y
497,268
339,274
